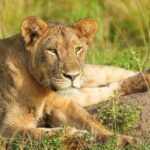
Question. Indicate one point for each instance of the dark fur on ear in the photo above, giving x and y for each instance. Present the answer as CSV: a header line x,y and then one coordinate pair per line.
x,y
32,28
86,28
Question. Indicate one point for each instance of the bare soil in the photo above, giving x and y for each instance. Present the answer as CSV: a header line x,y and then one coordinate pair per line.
x,y
141,128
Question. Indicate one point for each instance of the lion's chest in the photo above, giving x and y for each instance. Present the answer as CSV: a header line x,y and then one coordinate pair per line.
x,y
29,96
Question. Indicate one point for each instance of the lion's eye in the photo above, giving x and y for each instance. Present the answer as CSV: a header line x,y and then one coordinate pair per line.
x,y
51,51
79,50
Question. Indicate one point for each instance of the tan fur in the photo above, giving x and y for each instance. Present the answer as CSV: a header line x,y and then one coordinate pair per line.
x,y
43,62
101,82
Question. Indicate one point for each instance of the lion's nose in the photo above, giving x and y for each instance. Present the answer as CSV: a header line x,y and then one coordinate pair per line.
x,y
71,76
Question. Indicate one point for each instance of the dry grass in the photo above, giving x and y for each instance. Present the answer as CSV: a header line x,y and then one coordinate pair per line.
x,y
123,36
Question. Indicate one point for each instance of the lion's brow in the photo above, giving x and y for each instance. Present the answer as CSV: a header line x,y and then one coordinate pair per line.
x,y
61,28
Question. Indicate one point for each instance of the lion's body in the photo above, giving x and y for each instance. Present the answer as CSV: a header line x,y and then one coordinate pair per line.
x,y
20,94
28,82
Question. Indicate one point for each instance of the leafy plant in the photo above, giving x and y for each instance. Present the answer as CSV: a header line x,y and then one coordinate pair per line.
x,y
118,117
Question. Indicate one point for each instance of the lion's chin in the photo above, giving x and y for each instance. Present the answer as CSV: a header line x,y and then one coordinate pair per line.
x,y
67,85
58,86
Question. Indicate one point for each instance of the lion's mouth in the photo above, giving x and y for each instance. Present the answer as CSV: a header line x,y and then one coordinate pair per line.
x,y
61,85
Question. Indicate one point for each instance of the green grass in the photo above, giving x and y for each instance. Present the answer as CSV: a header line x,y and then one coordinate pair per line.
x,y
123,35
118,117
122,39
54,143
114,115
134,59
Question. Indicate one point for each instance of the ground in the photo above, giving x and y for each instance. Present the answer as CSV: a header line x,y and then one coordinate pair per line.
x,y
141,127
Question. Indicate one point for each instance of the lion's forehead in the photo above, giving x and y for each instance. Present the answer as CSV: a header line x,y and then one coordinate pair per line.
x,y
66,39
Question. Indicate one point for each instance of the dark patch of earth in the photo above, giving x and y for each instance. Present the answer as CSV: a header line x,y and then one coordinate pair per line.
x,y
141,128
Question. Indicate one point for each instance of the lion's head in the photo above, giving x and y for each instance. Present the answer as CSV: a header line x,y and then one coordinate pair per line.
x,y
57,52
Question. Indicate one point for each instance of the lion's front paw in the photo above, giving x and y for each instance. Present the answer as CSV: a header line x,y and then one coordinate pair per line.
x,y
124,140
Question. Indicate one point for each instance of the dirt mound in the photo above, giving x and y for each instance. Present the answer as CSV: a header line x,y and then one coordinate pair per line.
x,y
142,126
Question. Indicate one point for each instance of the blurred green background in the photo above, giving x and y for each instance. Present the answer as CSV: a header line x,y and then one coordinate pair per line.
x,y
123,36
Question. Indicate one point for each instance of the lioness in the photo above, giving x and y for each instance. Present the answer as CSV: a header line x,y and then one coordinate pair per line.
x,y
46,61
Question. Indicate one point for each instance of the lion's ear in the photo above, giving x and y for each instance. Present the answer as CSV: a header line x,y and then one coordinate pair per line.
x,y
87,28
32,28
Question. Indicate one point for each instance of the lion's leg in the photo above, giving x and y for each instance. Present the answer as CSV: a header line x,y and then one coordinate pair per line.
x,y
96,76
37,133
65,135
137,83
73,115
13,124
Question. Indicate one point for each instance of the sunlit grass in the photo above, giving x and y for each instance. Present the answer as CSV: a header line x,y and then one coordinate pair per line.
x,y
121,25
123,36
